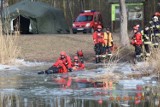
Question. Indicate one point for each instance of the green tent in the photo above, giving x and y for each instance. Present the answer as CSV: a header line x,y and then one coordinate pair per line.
x,y
34,17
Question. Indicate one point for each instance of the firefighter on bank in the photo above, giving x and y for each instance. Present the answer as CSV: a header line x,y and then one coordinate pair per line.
x,y
137,42
146,35
108,42
155,30
99,43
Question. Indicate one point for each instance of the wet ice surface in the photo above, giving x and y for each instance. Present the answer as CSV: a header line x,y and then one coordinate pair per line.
x,y
23,82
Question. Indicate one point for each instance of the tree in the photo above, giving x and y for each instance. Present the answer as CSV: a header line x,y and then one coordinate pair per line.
x,y
123,24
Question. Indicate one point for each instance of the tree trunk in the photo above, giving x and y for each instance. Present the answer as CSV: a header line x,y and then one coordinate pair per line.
x,y
123,24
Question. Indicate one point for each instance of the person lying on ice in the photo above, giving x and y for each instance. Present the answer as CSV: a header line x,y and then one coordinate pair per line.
x,y
62,65
58,68
77,65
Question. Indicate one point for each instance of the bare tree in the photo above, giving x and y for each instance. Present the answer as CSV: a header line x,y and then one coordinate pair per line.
x,y
123,24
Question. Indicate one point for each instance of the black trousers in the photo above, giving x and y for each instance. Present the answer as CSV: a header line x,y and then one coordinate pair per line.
x,y
155,40
147,48
108,49
99,49
138,49
51,70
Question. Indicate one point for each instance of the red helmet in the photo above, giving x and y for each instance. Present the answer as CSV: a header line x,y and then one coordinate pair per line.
x,y
63,53
99,27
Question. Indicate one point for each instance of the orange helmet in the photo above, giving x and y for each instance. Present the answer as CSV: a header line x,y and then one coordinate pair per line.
x,y
63,53
75,57
99,27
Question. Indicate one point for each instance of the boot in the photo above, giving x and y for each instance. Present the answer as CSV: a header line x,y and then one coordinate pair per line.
x,y
41,72
97,60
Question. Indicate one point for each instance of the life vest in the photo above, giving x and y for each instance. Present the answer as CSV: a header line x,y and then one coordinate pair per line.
x,y
108,39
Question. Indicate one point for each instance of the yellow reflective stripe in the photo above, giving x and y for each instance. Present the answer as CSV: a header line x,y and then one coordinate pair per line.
x,y
147,42
142,32
103,56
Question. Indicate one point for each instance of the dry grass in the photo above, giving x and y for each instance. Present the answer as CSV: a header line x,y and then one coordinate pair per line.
x,y
47,47
9,50
154,61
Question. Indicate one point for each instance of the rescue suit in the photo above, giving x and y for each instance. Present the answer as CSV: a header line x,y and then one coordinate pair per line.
x,y
77,64
58,68
66,61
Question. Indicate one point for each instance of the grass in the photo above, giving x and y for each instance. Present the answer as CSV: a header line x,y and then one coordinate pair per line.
x,y
154,61
9,50
47,47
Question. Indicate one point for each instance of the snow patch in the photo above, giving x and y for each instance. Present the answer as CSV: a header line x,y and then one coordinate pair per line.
x,y
9,67
22,62
130,84
19,63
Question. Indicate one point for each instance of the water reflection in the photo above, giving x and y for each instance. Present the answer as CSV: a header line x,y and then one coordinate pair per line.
x,y
27,89
17,98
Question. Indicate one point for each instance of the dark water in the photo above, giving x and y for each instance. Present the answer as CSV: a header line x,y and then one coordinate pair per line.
x,y
25,88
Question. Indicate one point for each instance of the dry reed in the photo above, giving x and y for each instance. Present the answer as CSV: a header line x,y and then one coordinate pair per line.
x,y
9,51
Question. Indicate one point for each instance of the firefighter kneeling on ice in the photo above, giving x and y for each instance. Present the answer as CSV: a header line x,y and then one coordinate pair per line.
x,y
62,65
77,64
137,43
99,43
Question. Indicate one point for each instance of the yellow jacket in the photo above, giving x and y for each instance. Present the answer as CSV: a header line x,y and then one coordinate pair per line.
x,y
108,39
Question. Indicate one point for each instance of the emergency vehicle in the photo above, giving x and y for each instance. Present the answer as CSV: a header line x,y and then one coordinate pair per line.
x,y
87,21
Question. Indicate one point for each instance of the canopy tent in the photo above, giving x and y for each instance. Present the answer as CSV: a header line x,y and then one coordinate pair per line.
x,y
34,17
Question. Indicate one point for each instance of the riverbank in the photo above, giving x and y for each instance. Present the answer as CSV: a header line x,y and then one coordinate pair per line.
x,y
46,48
